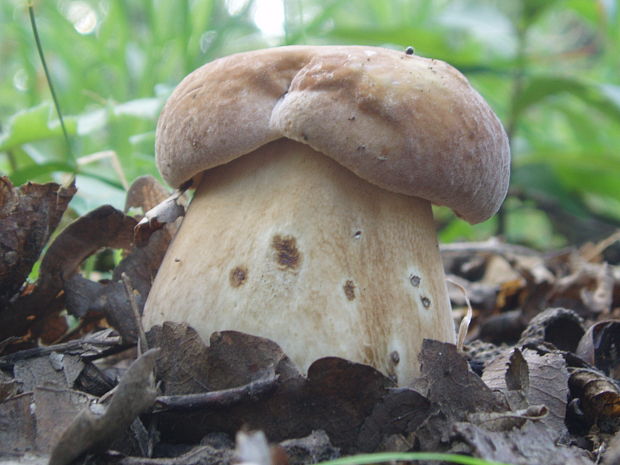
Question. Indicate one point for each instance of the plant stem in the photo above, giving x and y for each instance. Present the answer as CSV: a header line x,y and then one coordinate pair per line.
x,y
50,85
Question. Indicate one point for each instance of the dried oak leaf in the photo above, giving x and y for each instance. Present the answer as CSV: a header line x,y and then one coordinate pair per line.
x,y
103,227
144,194
336,396
29,214
456,393
401,411
452,385
32,422
599,347
314,448
537,380
54,369
137,269
529,444
181,367
17,425
142,263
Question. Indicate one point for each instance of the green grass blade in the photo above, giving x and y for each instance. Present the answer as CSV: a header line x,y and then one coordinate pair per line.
x,y
408,457
33,23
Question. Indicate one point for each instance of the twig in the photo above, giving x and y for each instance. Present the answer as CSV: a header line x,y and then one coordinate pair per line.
x,y
97,345
216,399
142,343
600,247
491,246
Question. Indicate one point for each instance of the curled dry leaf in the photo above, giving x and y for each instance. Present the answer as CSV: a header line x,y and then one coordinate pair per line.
x,y
103,227
598,395
591,285
599,347
558,326
89,431
145,193
167,211
29,214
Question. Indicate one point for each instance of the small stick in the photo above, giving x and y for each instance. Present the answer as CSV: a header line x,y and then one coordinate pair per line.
x,y
142,343
216,399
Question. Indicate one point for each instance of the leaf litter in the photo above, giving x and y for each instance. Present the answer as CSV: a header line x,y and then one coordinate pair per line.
x,y
536,381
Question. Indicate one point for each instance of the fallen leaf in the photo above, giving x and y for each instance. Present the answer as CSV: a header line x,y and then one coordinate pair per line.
x,y
103,227
452,385
61,370
558,326
401,411
91,431
29,214
336,396
527,445
599,347
599,396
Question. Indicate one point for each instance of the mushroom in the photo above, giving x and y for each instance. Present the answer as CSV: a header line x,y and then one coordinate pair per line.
x,y
315,168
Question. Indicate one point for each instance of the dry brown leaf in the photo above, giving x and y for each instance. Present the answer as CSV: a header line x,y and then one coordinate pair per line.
x,y
599,396
29,214
90,431
599,347
103,227
530,444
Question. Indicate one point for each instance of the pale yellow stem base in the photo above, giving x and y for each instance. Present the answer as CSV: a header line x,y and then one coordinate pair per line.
x,y
286,244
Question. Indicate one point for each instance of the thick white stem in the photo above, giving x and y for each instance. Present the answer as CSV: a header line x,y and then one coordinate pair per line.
x,y
286,244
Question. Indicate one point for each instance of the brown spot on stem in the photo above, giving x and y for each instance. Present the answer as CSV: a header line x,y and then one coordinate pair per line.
x,y
238,276
426,302
349,289
415,280
287,254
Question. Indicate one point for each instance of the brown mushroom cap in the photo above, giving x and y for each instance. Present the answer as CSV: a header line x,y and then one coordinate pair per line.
x,y
408,124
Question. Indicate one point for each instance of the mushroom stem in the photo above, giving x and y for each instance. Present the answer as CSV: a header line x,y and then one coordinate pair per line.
x,y
286,244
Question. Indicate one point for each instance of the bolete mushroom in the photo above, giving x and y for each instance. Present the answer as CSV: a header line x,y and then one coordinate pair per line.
x,y
311,224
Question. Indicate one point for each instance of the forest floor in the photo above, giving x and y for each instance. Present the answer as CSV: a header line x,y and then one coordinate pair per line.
x,y
535,381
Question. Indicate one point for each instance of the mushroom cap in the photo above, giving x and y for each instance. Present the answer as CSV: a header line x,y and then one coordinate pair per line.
x,y
405,123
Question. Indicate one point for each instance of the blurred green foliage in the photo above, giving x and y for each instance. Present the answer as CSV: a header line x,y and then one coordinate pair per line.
x,y
550,69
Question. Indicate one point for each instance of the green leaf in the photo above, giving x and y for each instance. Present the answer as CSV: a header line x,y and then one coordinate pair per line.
x,y
31,125
603,97
31,172
382,457
532,9
539,181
